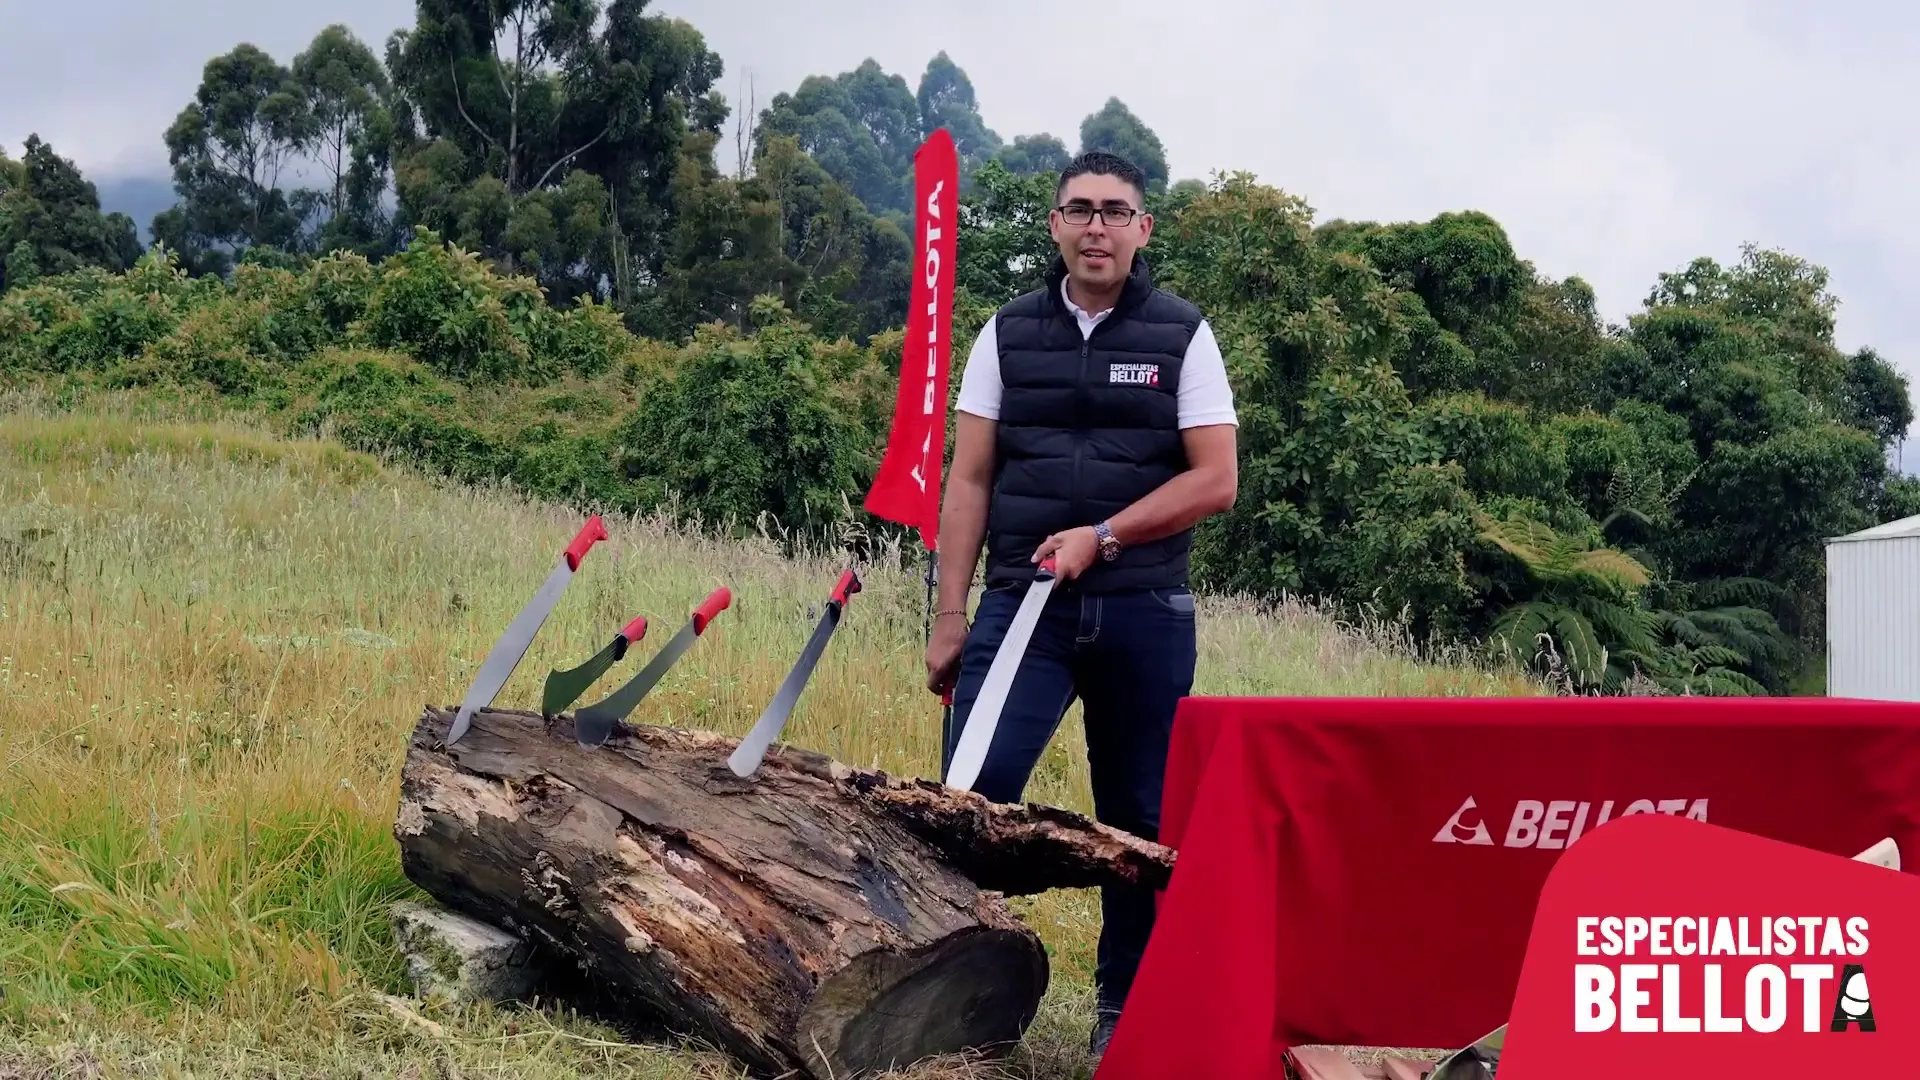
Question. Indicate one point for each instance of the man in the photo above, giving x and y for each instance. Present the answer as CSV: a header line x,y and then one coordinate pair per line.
x,y
1096,427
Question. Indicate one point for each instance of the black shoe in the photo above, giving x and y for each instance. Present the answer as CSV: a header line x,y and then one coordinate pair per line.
x,y
1103,1027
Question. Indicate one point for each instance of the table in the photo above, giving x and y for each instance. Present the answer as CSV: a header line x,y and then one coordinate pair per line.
x,y
1361,871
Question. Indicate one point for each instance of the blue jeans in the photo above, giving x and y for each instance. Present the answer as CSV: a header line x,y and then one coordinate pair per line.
x,y
1129,658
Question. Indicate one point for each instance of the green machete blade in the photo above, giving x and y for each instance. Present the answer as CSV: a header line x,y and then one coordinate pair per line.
x,y
594,723
563,687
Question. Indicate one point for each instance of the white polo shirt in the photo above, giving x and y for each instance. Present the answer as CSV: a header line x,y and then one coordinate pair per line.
x,y
1204,397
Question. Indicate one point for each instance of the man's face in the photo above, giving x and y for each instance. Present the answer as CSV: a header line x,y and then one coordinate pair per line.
x,y
1099,254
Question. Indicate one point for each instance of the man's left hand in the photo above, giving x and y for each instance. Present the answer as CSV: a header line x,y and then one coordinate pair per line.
x,y
1073,551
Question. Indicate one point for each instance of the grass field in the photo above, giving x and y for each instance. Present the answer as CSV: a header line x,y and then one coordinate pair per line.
x,y
213,646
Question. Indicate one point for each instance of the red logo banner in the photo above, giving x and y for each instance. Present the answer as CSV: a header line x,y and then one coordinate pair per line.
x,y
906,489
1664,947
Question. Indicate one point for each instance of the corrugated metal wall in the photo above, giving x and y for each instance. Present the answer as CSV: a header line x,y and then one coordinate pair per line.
x,y
1873,619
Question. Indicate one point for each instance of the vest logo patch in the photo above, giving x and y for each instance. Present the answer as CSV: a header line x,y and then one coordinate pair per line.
x,y
1133,374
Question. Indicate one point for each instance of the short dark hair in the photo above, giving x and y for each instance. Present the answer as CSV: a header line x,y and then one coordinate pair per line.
x,y
1103,163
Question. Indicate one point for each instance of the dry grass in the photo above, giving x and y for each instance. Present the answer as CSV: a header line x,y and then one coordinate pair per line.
x,y
213,646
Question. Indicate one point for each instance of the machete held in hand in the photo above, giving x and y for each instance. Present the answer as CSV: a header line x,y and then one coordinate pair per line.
x,y
506,652
593,724
565,686
753,749
977,736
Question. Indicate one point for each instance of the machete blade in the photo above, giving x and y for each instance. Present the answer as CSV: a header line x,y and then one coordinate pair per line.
x,y
565,686
506,652
753,749
977,736
1476,1062
593,724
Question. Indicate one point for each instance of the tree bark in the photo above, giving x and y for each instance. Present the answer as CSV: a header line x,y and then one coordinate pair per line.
x,y
814,919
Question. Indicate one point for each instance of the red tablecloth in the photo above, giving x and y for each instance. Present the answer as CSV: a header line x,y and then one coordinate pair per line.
x,y
1365,871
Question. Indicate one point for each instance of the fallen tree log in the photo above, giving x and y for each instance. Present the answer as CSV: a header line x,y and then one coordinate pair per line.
x,y
814,918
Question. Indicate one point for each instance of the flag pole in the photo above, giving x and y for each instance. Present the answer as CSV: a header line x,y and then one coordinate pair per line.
x,y
946,699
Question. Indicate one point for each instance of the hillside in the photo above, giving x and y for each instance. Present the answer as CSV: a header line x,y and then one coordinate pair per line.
x,y
212,646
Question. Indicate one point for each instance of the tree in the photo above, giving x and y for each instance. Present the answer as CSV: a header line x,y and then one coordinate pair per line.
x,y
497,77
247,120
789,231
670,97
1034,155
1466,289
1790,445
1578,602
500,103
863,127
50,220
1877,397
1343,493
1114,128
947,101
346,91
1004,247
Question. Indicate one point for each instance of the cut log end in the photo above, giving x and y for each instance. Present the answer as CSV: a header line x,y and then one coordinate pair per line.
x,y
976,990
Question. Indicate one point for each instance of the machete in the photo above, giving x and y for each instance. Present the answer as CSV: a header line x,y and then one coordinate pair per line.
x,y
506,653
1477,1062
593,724
971,754
747,756
564,686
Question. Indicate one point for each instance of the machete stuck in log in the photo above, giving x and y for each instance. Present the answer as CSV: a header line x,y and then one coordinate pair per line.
x,y
814,919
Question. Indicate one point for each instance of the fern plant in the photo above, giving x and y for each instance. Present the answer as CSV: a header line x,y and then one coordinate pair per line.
x,y
1720,635
1589,608
1585,604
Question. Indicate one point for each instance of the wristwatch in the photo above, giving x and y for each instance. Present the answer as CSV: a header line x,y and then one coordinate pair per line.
x,y
1109,545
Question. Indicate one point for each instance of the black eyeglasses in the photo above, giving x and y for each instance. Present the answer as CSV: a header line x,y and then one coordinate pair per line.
x,y
1113,216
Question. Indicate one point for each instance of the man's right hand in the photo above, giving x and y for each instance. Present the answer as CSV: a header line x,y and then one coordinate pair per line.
x,y
943,652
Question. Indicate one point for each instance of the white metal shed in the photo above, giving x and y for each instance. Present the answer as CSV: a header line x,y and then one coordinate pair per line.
x,y
1873,612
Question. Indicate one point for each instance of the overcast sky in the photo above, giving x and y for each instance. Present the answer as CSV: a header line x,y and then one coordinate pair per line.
x,y
1614,140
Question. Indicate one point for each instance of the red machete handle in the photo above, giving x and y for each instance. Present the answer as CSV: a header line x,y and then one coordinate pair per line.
x,y
716,602
848,585
1047,567
635,630
591,533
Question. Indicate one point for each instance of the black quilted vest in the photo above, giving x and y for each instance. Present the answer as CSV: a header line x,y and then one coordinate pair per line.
x,y
1087,426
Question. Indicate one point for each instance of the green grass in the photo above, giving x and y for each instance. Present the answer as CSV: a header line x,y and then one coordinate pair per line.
x,y
213,647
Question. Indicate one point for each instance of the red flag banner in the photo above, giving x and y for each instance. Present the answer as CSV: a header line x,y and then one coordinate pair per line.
x,y
1667,948
907,487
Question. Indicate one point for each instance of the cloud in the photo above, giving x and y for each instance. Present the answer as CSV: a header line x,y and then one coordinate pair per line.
x,y
1614,141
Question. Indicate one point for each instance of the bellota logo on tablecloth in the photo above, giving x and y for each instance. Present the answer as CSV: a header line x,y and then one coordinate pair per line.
x,y
1669,948
1554,825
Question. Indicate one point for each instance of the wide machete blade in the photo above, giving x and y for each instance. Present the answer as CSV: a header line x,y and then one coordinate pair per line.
x,y
564,686
753,749
593,724
506,652
1477,1062
971,754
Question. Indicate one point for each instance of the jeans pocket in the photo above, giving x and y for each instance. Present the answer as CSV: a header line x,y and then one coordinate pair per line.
x,y
997,599
1176,601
